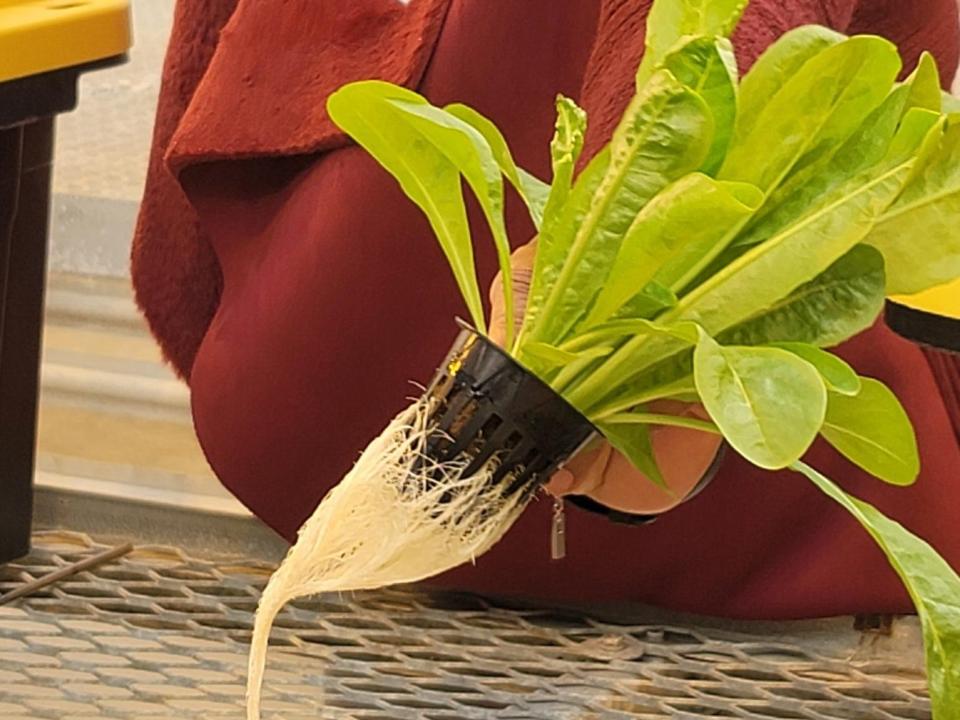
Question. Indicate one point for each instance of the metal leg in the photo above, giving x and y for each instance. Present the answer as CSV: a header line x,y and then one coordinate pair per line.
x,y
24,211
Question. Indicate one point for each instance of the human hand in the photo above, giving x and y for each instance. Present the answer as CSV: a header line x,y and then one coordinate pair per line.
x,y
599,471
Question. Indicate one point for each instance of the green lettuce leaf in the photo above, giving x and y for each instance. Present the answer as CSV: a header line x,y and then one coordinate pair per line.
x,y
531,189
924,84
933,586
664,134
424,172
557,237
670,21
817,108
768,403
843,300
633,440
839,377
708,67
802,190
470,153
550,355
756,280
773,269
872,430
919,235
652,298
565,148
672,231
775,66
840,302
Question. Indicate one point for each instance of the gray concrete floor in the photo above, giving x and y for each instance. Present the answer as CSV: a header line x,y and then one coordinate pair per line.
x,y
102,150
114,422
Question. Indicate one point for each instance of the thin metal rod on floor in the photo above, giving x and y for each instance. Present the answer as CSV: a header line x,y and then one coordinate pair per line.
x,y
55,576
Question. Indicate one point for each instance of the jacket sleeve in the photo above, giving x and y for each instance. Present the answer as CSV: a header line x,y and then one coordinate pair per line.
x,y
175,273
619,42
931,25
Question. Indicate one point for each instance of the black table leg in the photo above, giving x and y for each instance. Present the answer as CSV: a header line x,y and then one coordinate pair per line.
x,y
26,154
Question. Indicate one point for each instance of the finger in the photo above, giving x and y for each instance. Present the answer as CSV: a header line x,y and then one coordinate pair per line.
x,y
521,266
498,325
522,278
582,474
561,483
683,455
676,407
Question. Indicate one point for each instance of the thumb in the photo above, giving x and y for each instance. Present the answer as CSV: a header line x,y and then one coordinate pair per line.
x,y
521,266
498,324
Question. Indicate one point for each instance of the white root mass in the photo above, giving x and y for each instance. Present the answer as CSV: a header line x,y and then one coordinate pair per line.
x,y
396,517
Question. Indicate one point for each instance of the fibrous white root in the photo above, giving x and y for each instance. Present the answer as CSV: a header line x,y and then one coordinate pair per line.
x,y
397,517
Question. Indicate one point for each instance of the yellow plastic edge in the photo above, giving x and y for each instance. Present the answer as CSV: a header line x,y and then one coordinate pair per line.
x,y
943,300
37,37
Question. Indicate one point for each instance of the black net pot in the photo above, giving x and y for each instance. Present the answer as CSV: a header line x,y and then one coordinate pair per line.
x,y
486,405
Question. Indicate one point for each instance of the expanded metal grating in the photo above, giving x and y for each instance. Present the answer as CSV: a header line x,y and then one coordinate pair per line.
x,y
162,635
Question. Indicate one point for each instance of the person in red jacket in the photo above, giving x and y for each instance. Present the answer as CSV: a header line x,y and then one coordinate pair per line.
x,y
292,284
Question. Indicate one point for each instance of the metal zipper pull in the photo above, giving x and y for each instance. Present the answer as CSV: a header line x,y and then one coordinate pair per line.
x,y
558,531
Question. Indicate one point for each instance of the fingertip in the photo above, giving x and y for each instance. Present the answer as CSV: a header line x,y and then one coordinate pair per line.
x,y
561,483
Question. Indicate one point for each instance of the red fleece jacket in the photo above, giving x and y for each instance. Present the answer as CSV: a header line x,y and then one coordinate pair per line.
x,y
289,279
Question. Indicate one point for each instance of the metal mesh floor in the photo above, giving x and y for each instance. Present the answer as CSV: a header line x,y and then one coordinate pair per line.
x,y
161,635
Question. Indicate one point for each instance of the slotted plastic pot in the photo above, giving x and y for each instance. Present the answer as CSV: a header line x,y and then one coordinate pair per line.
x,y
487,405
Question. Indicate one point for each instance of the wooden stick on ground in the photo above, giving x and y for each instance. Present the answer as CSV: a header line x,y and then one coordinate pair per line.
x,y
56,575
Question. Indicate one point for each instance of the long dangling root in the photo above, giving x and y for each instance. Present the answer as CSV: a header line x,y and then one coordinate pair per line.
x,y
396,517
